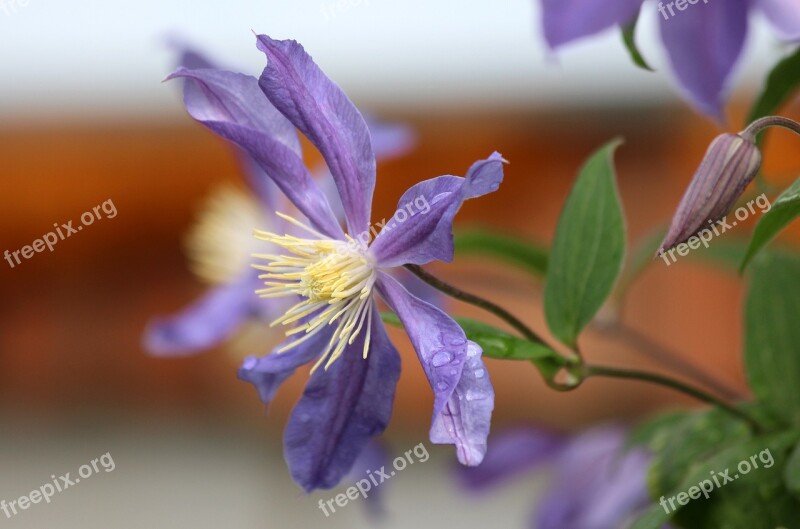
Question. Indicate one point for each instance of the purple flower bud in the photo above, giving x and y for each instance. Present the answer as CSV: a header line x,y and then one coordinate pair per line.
x,y
730,164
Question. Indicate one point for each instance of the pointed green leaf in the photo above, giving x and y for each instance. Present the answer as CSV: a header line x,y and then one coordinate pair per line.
x,y
783,211
588,250
772,334
629,38
782,82
510,249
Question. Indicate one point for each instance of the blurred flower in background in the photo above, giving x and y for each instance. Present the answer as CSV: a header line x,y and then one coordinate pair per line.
x,y
704,40
596,481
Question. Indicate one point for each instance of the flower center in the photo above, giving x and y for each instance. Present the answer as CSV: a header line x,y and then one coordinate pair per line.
x,y
334,279
220,243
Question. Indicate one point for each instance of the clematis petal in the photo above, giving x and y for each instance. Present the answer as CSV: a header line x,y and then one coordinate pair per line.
x,y
421,230
784,16
592,470
341,409
703,44
232,106
321,110
568,20
268,372
459,417
375,456
205,323
512,453
389,139
467,417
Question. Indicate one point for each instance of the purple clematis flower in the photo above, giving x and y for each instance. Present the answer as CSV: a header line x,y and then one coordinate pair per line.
x,y
221,244
335,276
596,483
703,39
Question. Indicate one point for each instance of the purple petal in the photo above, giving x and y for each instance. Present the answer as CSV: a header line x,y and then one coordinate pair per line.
x,y
598,485
421,230
512,453
341,409
268,372
703,44
467,417
567,20
784,15
463,395
375,456
205,323
389,139
322,111
232,106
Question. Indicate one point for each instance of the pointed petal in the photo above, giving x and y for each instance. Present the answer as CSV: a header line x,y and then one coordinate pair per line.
x,y
467,417
784,16
463,394
268,372
421,230
567,20
512,453
232,106
205,323
341,409
597,485
703,44
321,110
375,455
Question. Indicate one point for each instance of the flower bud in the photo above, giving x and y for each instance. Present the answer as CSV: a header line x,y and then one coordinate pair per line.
x,y
730,164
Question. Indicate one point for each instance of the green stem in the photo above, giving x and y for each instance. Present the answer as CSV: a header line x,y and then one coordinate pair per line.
x,y
654,378
478,301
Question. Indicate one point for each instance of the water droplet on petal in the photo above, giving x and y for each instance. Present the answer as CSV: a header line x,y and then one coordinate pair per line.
x,y
475,395
457,341
453,372
442,385
441,358
479,373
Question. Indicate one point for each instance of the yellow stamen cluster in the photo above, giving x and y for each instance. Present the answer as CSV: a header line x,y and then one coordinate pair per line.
x,y
335,280
220,244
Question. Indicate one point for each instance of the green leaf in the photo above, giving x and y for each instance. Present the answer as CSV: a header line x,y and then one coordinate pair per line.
x,y
783,211
782,82
629,38
710,443
791,474
499,344
588,250
772,334
511,249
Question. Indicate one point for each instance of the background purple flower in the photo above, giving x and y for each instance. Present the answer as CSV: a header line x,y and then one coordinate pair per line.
x,y
704,41
596,482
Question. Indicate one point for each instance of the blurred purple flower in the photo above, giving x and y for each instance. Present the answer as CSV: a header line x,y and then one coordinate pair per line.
x,y
597,484
336,276
221,245
704,40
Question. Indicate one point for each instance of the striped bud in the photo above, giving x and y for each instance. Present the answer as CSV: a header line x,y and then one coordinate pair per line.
x,y
730,164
